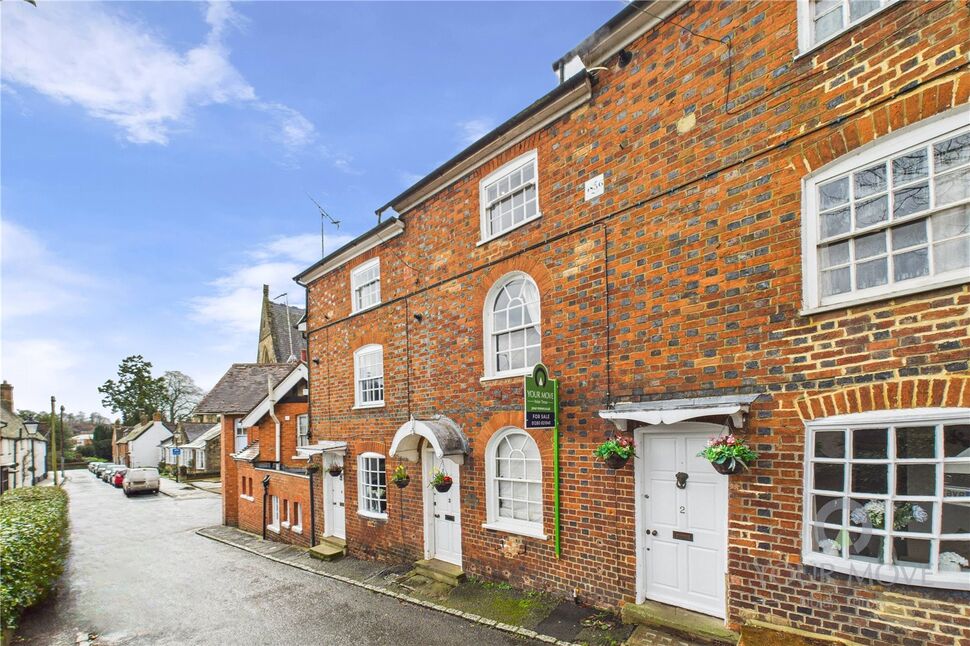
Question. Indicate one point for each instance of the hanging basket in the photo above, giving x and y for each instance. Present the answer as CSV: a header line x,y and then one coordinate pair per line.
x,y
615,461
335,471
729,467
403,482
443,487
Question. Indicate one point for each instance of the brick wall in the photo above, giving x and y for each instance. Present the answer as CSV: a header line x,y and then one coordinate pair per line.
x,y
230,473
289,488
683,279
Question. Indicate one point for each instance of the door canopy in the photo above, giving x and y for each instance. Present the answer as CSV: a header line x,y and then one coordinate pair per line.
x,y
671,411
441,433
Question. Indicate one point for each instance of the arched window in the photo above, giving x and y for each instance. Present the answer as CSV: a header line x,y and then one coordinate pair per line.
x,y
369,376
513,474
513,341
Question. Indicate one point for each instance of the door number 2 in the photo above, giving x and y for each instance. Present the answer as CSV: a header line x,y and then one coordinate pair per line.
x,y
683,509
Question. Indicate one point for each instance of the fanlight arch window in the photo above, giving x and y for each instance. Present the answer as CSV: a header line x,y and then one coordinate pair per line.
x,y
514,479
513,339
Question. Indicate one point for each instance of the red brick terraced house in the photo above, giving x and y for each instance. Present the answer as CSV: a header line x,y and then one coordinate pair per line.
x,y
249,453
749,217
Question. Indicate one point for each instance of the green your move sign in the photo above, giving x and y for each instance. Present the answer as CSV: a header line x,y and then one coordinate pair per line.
x,y
541,399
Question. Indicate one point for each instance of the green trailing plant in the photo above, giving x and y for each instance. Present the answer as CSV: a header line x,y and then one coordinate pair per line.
x,y
440,479
621,447
33,547
729,451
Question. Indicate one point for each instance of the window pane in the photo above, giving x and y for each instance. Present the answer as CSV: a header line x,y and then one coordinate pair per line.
x,y
911,264
835,281
873,244
871,212
910,167
835,222
913,516
834,254
865,547
951,223
870,478
828,509
860,8
952,556
953,187
870,181
915,479
916,442
912,199
956,479
952,254
830,444
952,152
956,517
871,274
956,441
911,552
828,24
869,443
829,477
832,194
909,235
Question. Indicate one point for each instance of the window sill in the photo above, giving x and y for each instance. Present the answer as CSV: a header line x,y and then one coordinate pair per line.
x,y
885,296
297,529
367,406
521,224
372,515
511,374
285,525
513,529
245,497
299,457
878,572
364,309
274,529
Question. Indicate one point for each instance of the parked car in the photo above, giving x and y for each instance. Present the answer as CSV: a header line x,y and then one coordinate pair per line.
x,y
139,480
117,476
107,473
101,466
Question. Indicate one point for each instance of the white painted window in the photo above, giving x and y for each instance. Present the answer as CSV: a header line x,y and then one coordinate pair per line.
x,y
285,512
200,459
513,340
297,519
891,219
365,285
510,196
241,436
372,485
513,473
887,496
274,514
302,430
822,20
369,376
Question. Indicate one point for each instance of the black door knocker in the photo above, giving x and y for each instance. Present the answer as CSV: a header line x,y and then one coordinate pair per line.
x,y
681,480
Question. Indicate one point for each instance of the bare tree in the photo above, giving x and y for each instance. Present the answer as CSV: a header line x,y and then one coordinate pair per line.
x,y
181,395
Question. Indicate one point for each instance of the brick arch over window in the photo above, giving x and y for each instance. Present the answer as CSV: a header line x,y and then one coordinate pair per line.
x,y
368,337
922,392
478,438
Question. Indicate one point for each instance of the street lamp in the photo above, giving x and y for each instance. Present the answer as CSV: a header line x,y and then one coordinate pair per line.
x,y
31,425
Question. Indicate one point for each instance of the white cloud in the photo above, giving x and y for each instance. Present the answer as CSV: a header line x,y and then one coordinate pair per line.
x,y
234,304
121,71
34,279
36,367
408,178
341,161
472,130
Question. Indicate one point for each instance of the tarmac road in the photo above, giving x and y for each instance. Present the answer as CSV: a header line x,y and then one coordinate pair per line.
x,y
138,574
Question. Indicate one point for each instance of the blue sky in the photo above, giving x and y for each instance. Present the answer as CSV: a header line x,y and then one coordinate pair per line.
x,y
156,159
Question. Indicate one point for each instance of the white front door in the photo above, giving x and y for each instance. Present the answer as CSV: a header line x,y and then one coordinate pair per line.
x,y
336,519
683,519
442,512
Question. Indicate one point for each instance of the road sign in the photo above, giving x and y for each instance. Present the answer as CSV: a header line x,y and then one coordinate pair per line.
x,y
176,451
541,400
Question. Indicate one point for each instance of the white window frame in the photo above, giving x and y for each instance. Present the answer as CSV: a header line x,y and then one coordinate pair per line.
x,y
285,509
533,529
302,439
914,136
491,370
496,175
359,402
897,574
297,516
806,23
239,432
356,285
274,514
362,495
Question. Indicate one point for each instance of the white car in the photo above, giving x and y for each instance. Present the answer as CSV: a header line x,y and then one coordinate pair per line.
x,y
140,479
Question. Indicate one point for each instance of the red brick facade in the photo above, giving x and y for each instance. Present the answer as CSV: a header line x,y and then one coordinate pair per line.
x,y
683,280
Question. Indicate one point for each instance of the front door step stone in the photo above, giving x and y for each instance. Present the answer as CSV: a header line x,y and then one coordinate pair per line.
x,y
329,549
692,625
440,571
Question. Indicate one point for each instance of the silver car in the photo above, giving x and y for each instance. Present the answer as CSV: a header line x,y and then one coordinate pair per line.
x,y
140,479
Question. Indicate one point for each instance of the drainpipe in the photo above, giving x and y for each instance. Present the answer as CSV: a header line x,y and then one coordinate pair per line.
x,y
272,413
265,496
313,532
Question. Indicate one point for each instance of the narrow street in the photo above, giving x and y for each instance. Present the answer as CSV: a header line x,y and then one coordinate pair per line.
x,y
138,574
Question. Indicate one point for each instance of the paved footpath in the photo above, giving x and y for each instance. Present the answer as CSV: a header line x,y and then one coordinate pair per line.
x,y
139,574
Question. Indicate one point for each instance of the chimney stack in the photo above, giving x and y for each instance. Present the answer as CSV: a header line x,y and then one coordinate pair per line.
x,y
144,418
157,417
6,396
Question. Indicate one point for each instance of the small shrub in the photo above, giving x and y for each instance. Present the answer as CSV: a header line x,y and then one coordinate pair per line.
x,y
33,547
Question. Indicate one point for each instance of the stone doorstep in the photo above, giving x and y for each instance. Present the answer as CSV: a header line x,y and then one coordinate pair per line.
x,y
439,571
762,633
693,625
330,548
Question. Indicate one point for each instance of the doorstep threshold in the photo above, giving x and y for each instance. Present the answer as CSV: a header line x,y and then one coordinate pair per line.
x,y
693,625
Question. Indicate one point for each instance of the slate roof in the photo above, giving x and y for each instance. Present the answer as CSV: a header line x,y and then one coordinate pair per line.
x,y
248,454
282,336
193,430
139,430
208,436
242,387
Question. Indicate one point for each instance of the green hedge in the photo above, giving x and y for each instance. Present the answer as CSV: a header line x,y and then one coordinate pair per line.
x,y
33,547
